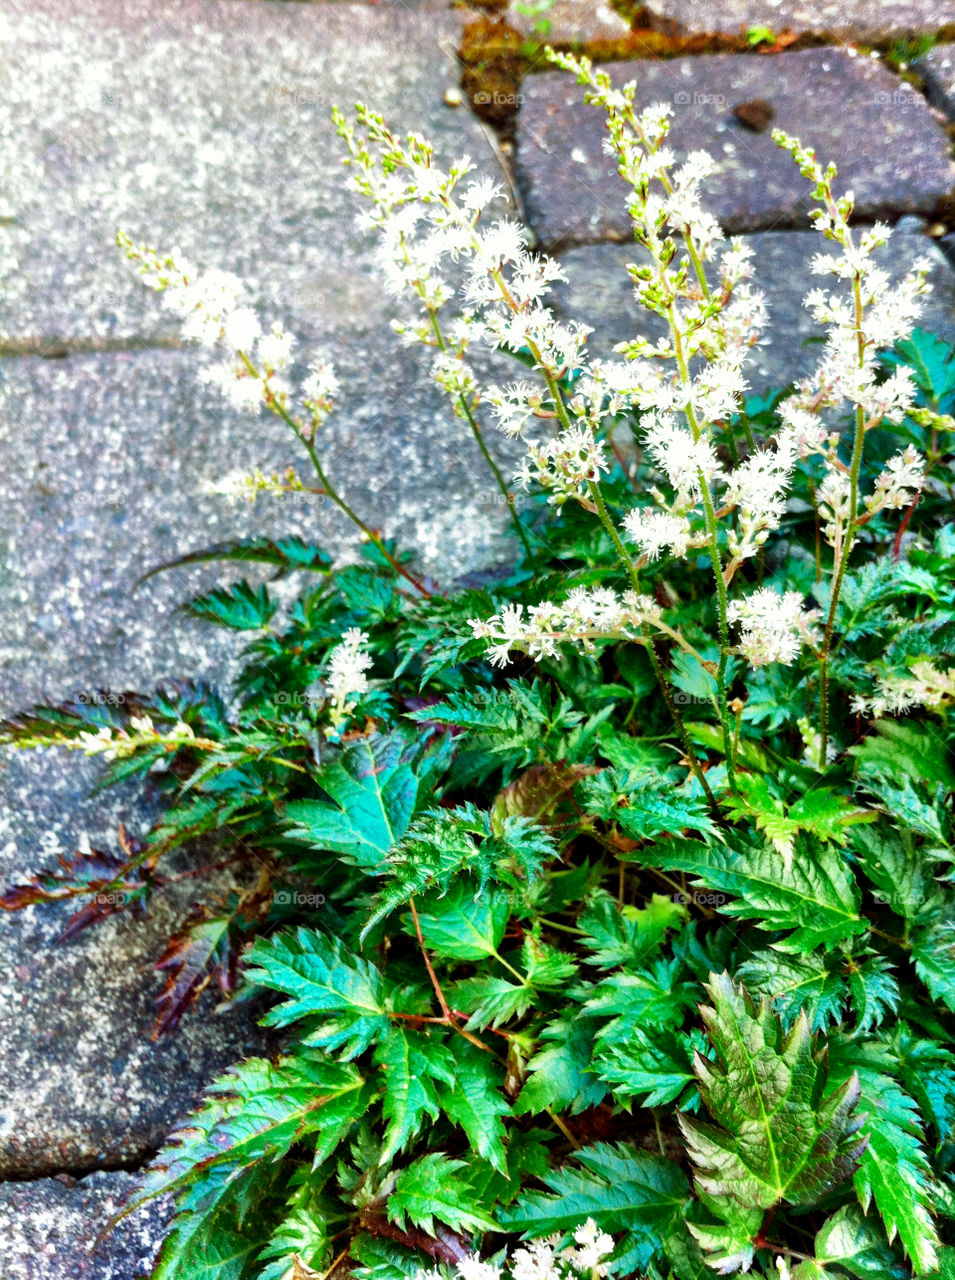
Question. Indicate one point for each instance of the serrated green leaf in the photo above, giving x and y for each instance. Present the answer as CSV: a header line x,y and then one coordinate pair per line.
x,y
342,994
620,1188
776,1135
433,1189
894,1168
812,894
373,790
240,607
474,1099
412,1064
463,924
627,936
560,1076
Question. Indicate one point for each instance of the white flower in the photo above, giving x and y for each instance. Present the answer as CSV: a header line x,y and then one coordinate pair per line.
x,y
240,329
565,466
585,616
346,680
655,531
676,453
274,350
774,626
923,686
900,481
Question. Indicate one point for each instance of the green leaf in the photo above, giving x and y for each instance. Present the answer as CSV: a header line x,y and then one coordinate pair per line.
x,y
240,607
894,1168
412,1063
906,750
819,811
490,1001
643,804
851,1242
813,893
629,935
474,1100
324,982
796,984
657,1066
430,1189
933,950
258,1112
927,1071
284,554
463,925
373,790
776,1136
621,1188
560,1075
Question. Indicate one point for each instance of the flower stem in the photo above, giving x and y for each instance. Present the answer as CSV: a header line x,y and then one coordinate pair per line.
x,y
842,556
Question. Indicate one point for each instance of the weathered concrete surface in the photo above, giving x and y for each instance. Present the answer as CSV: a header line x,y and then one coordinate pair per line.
x,y
599,292
81,1082
937,69
203,124
49,1230
890,148
876,22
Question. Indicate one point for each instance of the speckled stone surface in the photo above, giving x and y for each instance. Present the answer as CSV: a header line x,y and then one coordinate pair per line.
x,y
890,147
203,124
81,1082
868,21
49,1230
600,293
937,68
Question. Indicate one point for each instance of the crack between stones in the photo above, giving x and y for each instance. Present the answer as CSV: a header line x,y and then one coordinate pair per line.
x,y
120,1164
62,348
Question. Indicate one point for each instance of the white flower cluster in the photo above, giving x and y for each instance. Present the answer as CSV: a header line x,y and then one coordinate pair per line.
x,y
879,313
254,370
923,686
346,680
240,486
542,1260
902,479
119,744
774,627
587,614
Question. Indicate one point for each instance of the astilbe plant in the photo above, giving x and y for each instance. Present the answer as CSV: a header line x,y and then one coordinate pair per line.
x,y
603,903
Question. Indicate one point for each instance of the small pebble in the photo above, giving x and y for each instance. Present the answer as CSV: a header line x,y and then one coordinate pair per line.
x,y
756,115
453,97
936,229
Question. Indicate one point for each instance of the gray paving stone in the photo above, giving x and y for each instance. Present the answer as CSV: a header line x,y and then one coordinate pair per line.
x,y
876,22
50,1228
599,292
204,124
937,68
891,149
82,1084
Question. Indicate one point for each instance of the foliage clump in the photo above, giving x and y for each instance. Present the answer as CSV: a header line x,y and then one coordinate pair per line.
x,y
603,906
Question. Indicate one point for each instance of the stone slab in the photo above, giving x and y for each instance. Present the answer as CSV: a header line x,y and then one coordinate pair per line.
x,y
891,149
876,22
50,1230
82,1084
599,292
937,69
203,123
